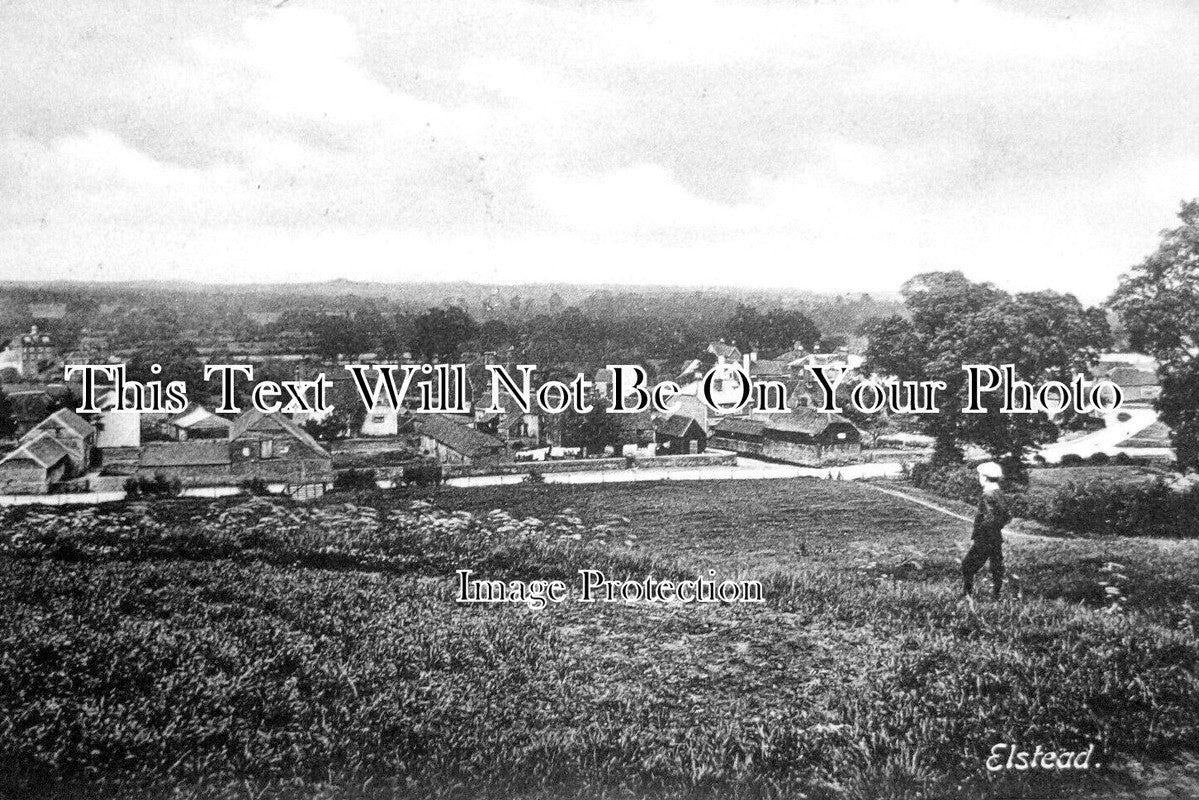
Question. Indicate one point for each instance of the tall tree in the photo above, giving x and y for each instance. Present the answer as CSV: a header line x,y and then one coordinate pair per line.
x,y
440,333
1158,303
953,321
8,421
775,330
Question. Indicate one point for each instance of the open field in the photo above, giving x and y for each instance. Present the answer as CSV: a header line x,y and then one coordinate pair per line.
x,y
238,647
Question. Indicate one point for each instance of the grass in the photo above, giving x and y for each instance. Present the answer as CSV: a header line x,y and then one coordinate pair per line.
x,y
235,648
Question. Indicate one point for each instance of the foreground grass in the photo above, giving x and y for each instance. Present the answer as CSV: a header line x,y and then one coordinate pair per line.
x,y
236,649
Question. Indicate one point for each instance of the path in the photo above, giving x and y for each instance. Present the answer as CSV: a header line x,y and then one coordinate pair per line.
x,y
1106,439
1008,532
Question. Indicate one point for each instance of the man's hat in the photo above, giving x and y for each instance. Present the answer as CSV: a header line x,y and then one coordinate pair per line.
x,y
990,470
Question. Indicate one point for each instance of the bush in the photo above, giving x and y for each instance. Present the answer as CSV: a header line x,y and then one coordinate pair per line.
x,y
534,476
1099,459
254,486
354,479
1072,460
422,474
1123,459
158,486
1095,506
957,481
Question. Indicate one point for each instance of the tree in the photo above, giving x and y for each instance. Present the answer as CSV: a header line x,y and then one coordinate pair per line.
x,y
441,332
8,422
953,321
776,330
593,431
1158,303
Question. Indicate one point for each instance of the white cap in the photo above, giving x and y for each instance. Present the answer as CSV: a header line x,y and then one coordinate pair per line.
x,y
990,470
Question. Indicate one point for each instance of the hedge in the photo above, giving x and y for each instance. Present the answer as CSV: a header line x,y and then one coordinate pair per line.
x,y
1151,508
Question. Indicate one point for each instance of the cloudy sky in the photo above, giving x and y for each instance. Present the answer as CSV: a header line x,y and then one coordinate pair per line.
x,y
825,145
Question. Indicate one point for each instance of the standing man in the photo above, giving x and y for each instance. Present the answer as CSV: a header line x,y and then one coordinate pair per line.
x,y
992,515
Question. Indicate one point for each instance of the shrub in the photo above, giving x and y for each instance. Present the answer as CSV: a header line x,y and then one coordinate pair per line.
x,y
957,481
534,476
255,486
422,474
1099,459
354,479
1123,459
1072,460
158,486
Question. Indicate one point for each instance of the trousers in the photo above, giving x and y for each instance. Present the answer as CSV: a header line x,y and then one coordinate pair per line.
x,y
980,553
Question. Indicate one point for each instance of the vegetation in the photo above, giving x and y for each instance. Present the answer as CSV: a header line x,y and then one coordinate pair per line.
x,y
254,646
158,486
1158,302
952,322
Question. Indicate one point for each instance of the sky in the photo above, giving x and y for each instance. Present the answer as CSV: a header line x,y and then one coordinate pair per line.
x,y
831,146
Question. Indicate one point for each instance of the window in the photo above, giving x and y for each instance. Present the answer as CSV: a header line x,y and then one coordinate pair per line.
x,y
377,419
245,451
266,448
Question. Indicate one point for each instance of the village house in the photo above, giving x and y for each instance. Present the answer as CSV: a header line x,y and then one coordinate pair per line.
x,y
803,436
257,445
195,422
451,442
679,434
34,466
28,354
519,431
76,435
1138,385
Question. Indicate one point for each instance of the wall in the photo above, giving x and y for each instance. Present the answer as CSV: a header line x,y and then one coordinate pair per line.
x,y
709,459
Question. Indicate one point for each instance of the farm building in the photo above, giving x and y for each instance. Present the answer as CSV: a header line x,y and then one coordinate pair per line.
x,y
32,467
450,442
76,435
258,445
195,422
804,436
679,434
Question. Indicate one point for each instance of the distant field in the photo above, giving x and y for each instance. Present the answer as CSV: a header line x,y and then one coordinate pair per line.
x,y
262,648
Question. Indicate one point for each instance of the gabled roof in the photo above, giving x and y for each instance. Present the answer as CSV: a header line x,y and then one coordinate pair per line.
x,y
44,451
802,420
66,418
741,425
197,416
457,437
769,367
726,351
212,452
1131,376
254,418
676,425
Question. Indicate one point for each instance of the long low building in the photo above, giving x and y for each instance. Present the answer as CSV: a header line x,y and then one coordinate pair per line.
x,y
804,436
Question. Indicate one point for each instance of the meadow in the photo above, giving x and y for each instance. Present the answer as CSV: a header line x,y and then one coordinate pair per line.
x,y
260,648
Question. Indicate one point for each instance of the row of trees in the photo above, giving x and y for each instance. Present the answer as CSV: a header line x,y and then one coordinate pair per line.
x,y
949,321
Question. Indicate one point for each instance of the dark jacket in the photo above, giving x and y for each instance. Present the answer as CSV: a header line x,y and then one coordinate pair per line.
x,y
992,515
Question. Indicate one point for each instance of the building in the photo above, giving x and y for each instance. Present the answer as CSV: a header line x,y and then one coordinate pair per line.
x,y
679,434
34,466
258,445
383,420
272,447
195,422
804,436
29,354
519,431
76,435
1138,385
450,442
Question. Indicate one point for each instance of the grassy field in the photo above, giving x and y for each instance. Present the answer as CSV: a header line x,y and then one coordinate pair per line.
x,y
260,648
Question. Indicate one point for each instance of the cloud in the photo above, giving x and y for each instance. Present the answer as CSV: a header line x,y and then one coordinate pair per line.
x,y
1036,142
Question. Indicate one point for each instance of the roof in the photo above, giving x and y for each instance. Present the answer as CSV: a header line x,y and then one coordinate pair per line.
x,y
213,452
1131,376
198,416
769,367
676,425
253,418
44,451
67,419
802,420
454,435
741,425
726,351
